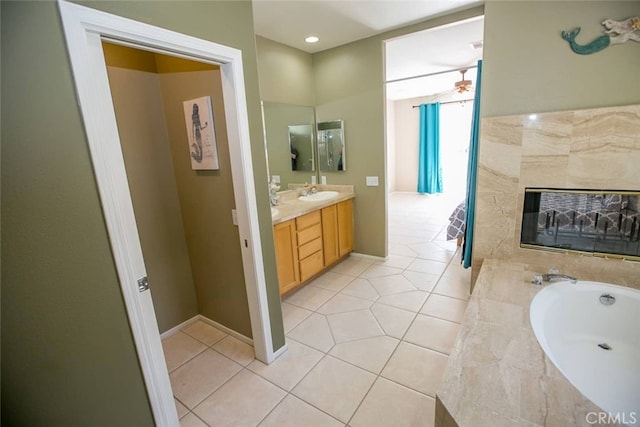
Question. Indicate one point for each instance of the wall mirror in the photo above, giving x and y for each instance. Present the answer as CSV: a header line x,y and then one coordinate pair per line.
x,y
331,147
598,222
301,147
289,133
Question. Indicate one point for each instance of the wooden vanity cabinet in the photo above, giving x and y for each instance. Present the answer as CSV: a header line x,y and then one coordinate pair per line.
x,y
312,242
330,234
285,241
345,227
309,231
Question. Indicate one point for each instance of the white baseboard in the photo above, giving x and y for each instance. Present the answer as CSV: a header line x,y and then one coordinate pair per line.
x,y
369,257
175,329
226,330
213,323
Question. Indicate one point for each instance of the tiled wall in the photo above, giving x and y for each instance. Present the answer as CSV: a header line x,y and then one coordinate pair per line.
x,y
583,149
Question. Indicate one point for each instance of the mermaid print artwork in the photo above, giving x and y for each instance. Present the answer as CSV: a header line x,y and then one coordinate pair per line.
x,y
201,137
196,154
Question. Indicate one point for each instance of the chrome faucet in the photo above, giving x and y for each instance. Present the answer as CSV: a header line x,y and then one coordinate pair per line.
x,y
551,275
274,197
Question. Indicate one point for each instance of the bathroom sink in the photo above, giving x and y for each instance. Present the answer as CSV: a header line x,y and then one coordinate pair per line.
x,y
319,196
274,212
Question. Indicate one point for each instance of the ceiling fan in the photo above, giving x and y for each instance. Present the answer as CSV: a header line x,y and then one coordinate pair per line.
x,y
462,85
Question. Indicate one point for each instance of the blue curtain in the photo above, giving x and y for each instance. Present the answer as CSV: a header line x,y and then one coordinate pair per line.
x,y
429,169
472,172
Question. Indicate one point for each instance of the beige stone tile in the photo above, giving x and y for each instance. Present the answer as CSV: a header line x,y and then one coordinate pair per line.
x,y
236,350
421,281
353,325
390,404
397,248
444,307
427,266
335,387
314,331
292,316
243,401
369,353
352,266
377,270
342,303
199,377
361,288
453,287
393,284
191,420
204,332
309,297
332,281
288,369
544,171
179,348
180,408
394,321
432,333
432,251
293,412
397,261
411,301
416,367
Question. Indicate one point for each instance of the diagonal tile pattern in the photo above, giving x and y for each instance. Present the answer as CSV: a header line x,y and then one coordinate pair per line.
x,y
367,341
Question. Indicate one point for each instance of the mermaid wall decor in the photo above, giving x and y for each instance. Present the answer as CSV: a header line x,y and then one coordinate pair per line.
x,y
615,32
201,135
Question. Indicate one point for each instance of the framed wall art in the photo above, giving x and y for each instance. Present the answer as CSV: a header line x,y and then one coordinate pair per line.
x,y
203,149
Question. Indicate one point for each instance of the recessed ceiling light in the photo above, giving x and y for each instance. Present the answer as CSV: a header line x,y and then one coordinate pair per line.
x,y
312,39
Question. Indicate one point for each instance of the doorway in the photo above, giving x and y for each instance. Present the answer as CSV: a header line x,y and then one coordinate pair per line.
x,y
85,29
429,66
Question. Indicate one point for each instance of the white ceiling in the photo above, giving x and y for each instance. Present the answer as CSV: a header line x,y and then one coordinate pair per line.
x,y
340,22
436,50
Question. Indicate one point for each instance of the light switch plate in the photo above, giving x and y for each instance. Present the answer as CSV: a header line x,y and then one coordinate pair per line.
x,y
234,216
323,179
276,178
372,181
313,180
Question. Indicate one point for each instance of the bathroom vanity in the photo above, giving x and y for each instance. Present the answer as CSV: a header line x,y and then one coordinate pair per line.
x,y
310,235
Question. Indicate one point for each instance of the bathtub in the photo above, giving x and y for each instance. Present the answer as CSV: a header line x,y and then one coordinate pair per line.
x,y
591,333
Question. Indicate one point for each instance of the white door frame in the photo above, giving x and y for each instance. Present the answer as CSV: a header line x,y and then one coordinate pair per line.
x,y
84,29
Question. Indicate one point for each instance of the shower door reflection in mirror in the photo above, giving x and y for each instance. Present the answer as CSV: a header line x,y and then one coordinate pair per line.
x,y
331,152
301,147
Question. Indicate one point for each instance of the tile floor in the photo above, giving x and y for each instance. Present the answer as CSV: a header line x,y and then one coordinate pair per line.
x,y
367,341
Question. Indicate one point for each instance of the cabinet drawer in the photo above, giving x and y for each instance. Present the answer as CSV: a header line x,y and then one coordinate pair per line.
x,y
309,248
309,234
310,265
308,220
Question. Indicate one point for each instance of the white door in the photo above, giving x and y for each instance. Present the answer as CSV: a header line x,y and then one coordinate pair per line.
x,y
85,29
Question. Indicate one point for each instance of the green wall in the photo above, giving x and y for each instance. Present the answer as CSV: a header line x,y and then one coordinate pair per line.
x,y
68,356
528,67
286,73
